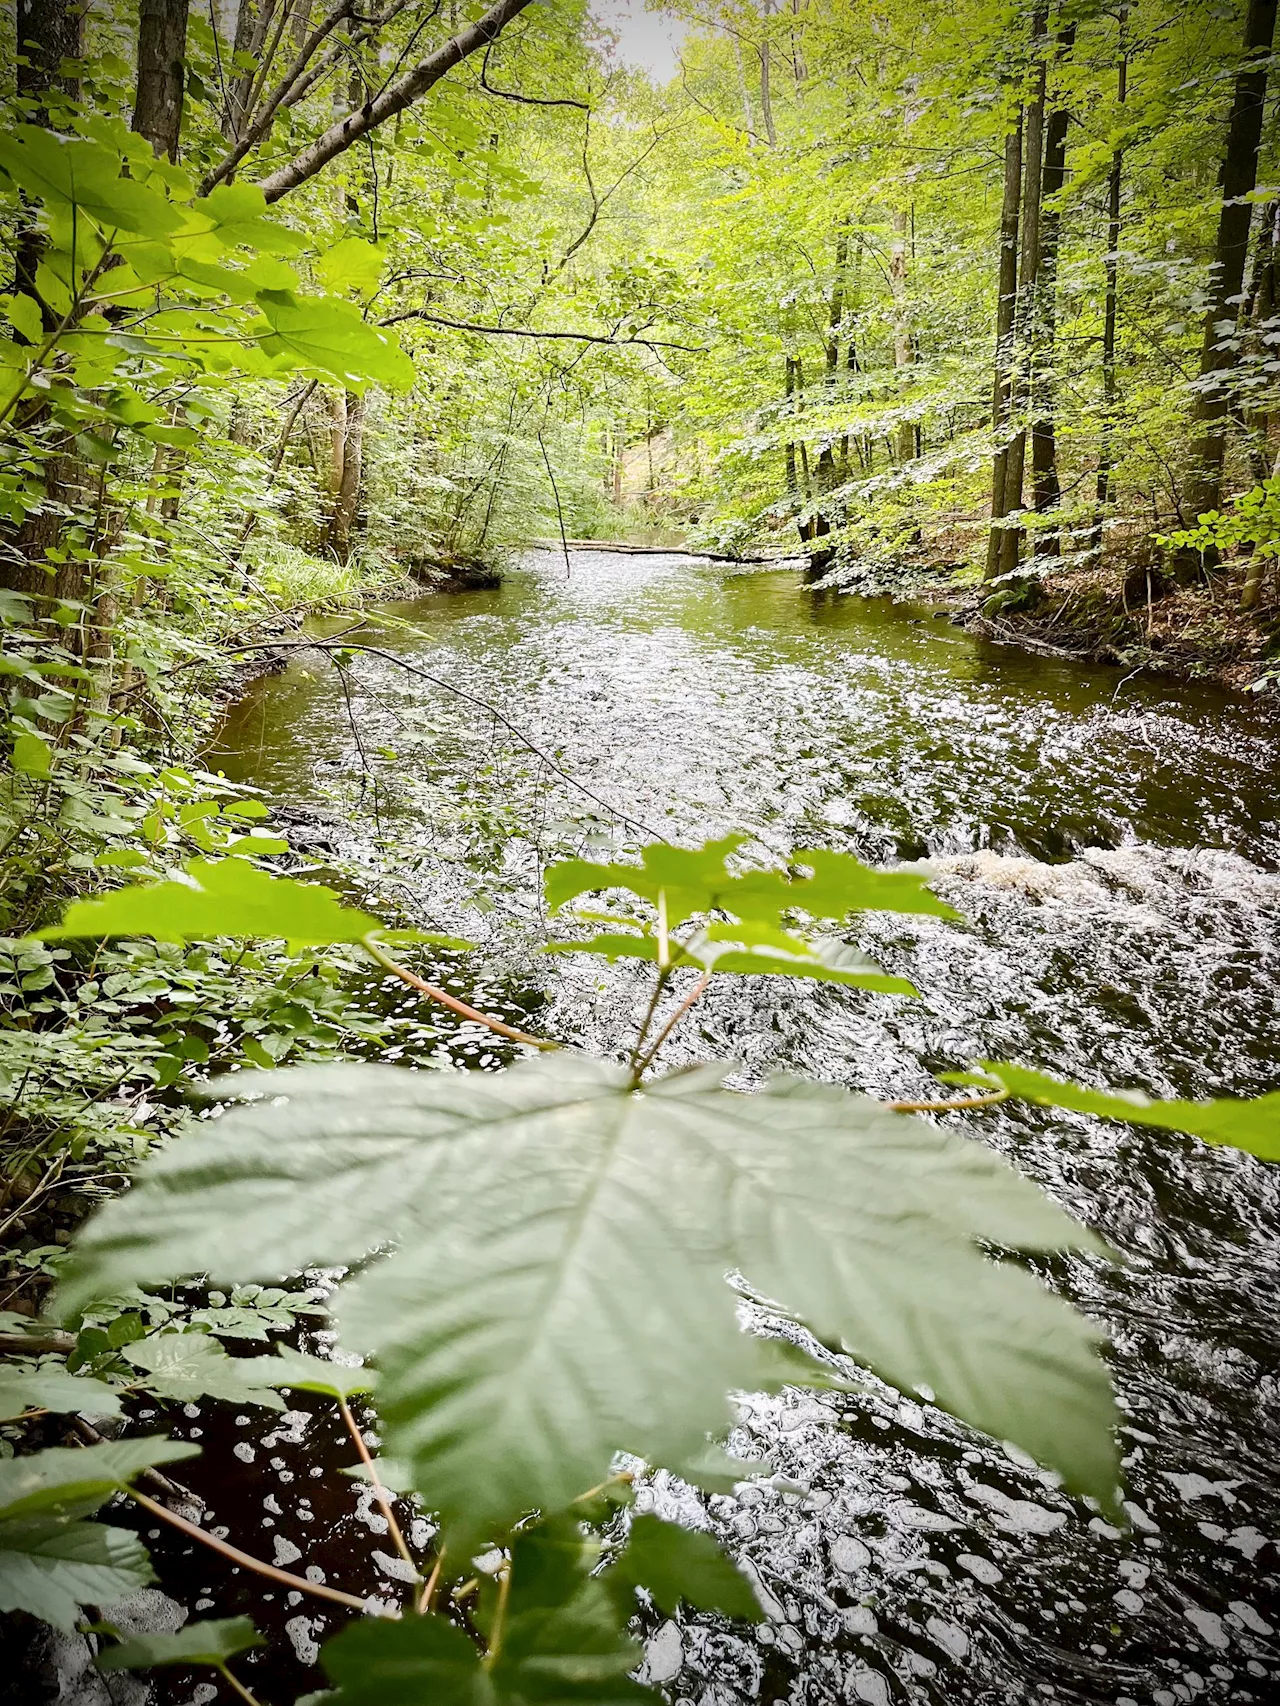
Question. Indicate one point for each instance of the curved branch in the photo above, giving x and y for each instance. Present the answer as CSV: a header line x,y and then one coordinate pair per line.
x,y
524,100
525,332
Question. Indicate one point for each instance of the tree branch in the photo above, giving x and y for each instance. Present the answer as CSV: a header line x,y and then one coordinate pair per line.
x,y
524,100
402,93
525,332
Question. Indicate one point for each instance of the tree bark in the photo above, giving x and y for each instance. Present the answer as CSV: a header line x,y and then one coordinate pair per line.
x,y
399,93
766,79
1046,488
162,73
904,435
1238,178
1027,303
48,31
1006,309
1110,388
348,491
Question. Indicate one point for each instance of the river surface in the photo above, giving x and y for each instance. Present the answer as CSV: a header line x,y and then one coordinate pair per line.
x,y
1112,844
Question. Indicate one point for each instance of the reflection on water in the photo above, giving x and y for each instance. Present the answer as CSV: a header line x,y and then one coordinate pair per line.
x,y
1110,843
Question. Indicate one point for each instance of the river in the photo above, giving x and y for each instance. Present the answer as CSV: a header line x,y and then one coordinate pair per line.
x,y
1112,843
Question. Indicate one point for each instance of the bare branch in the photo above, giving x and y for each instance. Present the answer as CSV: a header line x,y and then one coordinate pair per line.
x,y
525,100
525,332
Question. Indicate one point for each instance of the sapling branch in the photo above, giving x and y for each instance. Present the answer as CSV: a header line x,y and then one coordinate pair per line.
x,y
246,1560
379,1491
956,1106
237,1686
694,995
434,993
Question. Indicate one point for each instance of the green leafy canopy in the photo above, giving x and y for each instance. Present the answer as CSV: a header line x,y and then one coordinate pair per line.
x,y
558,1293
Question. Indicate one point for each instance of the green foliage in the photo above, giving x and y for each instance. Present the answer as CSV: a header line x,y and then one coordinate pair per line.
x,y
533,1199
689,884
54,1389
672,1564
52,1561
1254,519
554,1635
223,897
209,1643
183,1366
1251,1126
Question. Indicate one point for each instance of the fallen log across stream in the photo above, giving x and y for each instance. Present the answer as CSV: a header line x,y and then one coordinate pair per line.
x,y
776,558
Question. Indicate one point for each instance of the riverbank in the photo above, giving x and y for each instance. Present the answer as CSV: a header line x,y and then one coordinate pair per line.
x,y
1197,632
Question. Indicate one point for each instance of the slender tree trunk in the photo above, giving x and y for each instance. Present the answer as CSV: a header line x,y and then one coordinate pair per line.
x,y
827,472
301,20
1238,179
252,23
1110,386
1027,305
47,32
1006,309
748,117
1046,488
792,387
348,493
766,78
162,73
904,435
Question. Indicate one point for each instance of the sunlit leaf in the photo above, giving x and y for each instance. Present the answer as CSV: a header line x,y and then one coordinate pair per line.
x,y
352,264
695,881
558,1292
225,897
327,334
1253,1126
65,171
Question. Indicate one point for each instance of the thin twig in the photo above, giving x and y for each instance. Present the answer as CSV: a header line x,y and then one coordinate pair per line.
x,y
379,1491
660,984
555,492
694,995
953,1107
429,1586
171,1489
237,1686
434,993
258,1565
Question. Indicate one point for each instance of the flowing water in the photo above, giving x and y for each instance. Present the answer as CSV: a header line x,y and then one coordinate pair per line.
x,y
1111,842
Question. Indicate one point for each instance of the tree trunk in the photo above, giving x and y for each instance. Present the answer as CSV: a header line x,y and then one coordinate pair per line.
x,y
1006,307
828,475
47,32
1238,179
766,92
905,445
1027,304
252,23
1110,390
348,493
1046,488
162,72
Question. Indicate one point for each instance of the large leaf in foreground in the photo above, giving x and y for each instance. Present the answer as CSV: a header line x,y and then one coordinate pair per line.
x,y
217,897
1253,1126
558,1292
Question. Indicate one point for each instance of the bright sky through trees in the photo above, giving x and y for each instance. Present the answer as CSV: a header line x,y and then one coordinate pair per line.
x,y
648,39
